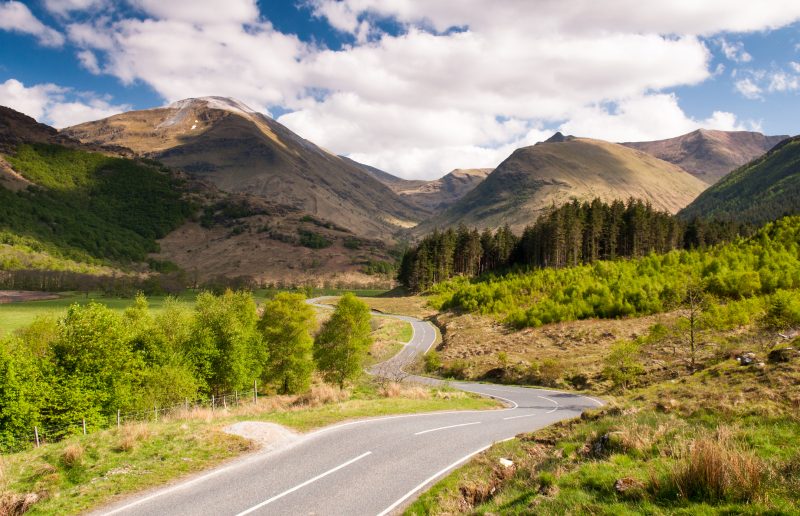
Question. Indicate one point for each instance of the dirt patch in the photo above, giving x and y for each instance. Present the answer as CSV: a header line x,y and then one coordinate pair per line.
x,y
268,436
21,296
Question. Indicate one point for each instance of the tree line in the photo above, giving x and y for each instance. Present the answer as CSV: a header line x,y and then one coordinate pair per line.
x,y
573,234
94,361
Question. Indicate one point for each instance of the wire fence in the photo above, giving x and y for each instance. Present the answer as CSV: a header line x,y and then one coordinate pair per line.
x,y
42,434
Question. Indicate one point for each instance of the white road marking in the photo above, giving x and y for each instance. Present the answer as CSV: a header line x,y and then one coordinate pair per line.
x,y
431,479
446,427
551,401
300,486
517,417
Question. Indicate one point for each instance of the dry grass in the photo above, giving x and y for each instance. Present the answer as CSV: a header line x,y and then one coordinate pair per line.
x,y
322,394
399,390
715,468
130,434
13,504
72,455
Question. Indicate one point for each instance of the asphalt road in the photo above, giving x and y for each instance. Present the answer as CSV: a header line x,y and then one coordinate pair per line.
x,y
372,466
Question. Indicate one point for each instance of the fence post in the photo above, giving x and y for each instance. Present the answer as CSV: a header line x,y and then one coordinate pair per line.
x,y
236,397
84,426
36,433
255,392
117,418
186,404
212,402
224,401
155,412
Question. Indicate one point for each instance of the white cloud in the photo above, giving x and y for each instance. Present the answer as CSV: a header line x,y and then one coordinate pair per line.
x,y
201,11
748,88
430,99
648,117
88,60
16,17
56,105
734,51
781,81
795,66
65,7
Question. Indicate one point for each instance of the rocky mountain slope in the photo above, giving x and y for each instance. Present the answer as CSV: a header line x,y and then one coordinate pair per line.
x,y
433,196
708,154
763,190
551,173
223,141
66,207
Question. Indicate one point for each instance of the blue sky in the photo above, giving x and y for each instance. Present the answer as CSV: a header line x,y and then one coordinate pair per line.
x,y
415,87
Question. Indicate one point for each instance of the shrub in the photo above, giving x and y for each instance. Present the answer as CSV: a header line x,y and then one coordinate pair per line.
x,y
72,455
622,366
433,361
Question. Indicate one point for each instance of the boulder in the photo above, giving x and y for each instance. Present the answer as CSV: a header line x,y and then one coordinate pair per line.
x,y
784,354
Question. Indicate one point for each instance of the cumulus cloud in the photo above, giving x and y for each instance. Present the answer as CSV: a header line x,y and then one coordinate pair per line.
x,y
65,7
648,117
56,105
459,85
734,51
16,17
748,88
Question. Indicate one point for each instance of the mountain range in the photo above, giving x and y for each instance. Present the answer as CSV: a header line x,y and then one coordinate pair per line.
x,y
272,204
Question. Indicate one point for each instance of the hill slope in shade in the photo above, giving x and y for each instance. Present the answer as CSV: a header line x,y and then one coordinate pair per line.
x,y
433,196
239,150
552,173
763,190
709,154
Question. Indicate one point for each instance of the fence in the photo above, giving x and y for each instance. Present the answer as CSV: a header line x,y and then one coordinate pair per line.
x,y
44,434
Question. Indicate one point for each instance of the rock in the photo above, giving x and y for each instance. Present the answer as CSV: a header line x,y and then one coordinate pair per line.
x,y
506,463
785,354
746,359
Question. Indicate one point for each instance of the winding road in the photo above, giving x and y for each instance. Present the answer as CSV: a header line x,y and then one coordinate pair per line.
x,y
372,466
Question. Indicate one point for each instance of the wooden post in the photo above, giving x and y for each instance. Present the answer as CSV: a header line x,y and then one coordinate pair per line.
x,y
118,418
255,392
155,412
212,402
84,426
236,397
224,401
36,433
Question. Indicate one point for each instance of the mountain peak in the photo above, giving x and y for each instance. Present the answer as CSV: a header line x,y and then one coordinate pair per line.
x,y
556,138
222,103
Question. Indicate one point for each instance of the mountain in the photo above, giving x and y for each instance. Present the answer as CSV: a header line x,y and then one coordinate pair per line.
x,y
551,173
708,154
223,141
763,190
66,207
431,196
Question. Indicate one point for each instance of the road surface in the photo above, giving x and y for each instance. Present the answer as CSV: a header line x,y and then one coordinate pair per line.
x,y
372,467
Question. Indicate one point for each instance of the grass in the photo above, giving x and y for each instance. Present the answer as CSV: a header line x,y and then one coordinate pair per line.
x,y
84,472
17,315
389,338
722,440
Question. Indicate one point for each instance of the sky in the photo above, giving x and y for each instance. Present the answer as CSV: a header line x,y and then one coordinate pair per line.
x,y
416,87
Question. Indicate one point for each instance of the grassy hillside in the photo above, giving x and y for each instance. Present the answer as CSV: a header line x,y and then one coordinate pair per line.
x,y
90,207
767,262
762,190
535,178
710,154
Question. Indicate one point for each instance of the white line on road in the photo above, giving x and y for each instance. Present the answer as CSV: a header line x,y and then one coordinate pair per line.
x,y
300,486
517,417
446,427
431,479
551,401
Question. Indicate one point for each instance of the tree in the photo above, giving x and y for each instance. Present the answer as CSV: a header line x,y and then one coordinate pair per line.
x,y
286,325
229,350
694,303
343,343
622,366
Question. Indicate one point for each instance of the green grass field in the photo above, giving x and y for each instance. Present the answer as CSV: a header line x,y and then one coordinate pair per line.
x,y
18,315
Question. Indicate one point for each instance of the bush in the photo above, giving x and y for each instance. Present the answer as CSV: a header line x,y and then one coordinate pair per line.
x,y
622,366
313,240
433,361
